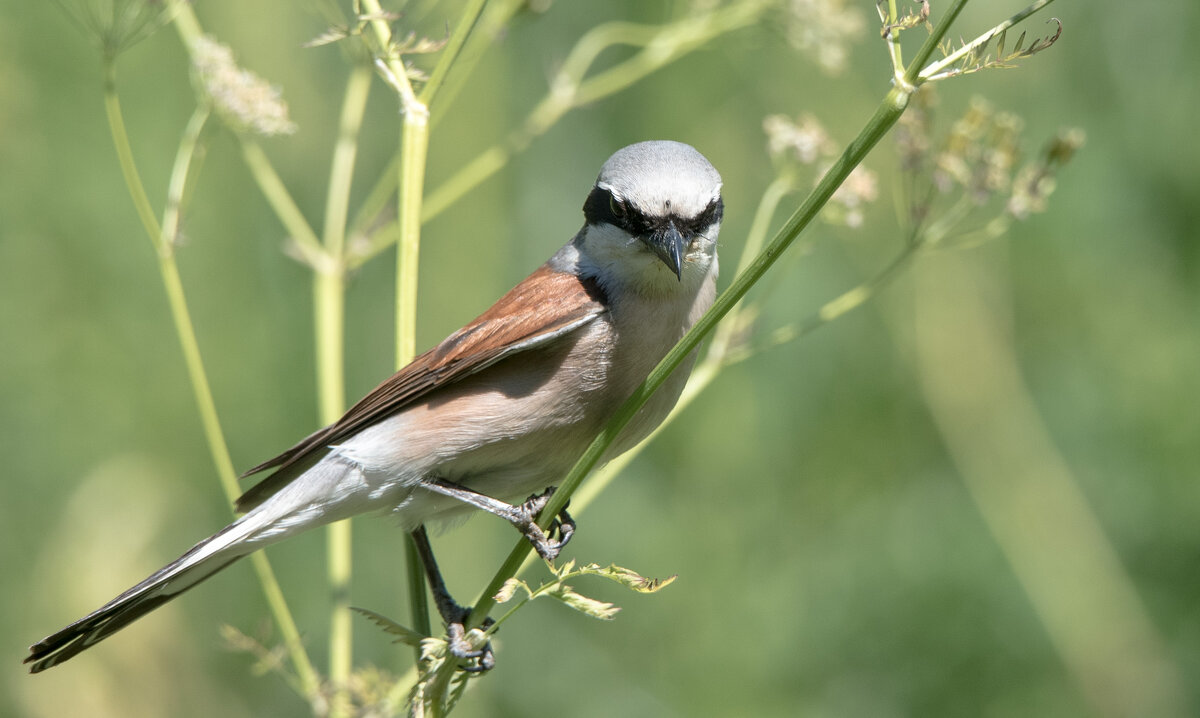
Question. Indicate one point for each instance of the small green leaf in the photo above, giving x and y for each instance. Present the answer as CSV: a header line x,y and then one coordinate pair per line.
x,y
403,634
628,578
596,609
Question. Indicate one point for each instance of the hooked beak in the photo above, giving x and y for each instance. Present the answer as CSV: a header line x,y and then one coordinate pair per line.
x,y
668,244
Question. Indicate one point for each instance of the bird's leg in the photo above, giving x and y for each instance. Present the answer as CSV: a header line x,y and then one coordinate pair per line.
x,y
453,614
523,517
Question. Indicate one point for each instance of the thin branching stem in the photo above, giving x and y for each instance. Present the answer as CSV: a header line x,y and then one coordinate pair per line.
x,y
936,70
163,243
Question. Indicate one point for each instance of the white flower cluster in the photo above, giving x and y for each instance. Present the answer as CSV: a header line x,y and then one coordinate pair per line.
x,y
242,98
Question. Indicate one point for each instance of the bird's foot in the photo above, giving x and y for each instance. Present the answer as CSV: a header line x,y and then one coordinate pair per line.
x,y
544,542
474,657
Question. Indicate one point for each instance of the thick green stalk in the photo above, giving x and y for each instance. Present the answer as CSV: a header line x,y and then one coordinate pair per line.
x,y
414,142
329,291
893,40
177,301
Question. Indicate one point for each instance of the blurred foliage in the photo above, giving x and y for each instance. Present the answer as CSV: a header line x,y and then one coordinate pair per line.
x,y
841,511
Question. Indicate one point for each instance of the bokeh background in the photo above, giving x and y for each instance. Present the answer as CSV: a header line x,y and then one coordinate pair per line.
x,y
975,496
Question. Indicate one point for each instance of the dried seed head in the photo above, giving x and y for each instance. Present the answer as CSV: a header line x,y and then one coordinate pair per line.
x,y
243,99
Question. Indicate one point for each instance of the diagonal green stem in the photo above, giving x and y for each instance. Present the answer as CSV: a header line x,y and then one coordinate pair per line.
x,y
881,122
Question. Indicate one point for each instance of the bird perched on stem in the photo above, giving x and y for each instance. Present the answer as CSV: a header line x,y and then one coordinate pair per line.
x,y
499,409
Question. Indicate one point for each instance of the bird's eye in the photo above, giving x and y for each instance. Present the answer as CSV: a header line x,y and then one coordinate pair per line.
x,y
617,208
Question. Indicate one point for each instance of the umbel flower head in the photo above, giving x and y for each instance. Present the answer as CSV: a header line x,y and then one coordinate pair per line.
x,y
247,102
117,25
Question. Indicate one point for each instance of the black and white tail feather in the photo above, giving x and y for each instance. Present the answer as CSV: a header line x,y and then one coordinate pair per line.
x,y
201,561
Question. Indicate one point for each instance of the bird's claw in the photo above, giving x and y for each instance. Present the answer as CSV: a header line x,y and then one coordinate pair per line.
x,y
543,541
472,659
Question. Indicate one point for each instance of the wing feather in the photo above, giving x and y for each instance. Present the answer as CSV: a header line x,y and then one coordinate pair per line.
x,y
545,306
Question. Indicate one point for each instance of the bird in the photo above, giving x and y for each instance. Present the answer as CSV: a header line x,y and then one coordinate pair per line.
x,y
501,408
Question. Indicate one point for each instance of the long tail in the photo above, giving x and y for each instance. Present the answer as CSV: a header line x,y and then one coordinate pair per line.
x,y
201,561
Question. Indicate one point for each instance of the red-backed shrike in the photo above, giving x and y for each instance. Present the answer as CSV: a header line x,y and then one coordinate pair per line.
x,y
501,408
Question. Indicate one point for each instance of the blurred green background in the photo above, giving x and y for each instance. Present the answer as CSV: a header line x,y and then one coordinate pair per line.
x,y
976,496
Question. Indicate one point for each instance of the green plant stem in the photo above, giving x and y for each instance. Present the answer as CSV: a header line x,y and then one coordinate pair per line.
x,y
177,301
414,140
177,186
341,175
329,293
